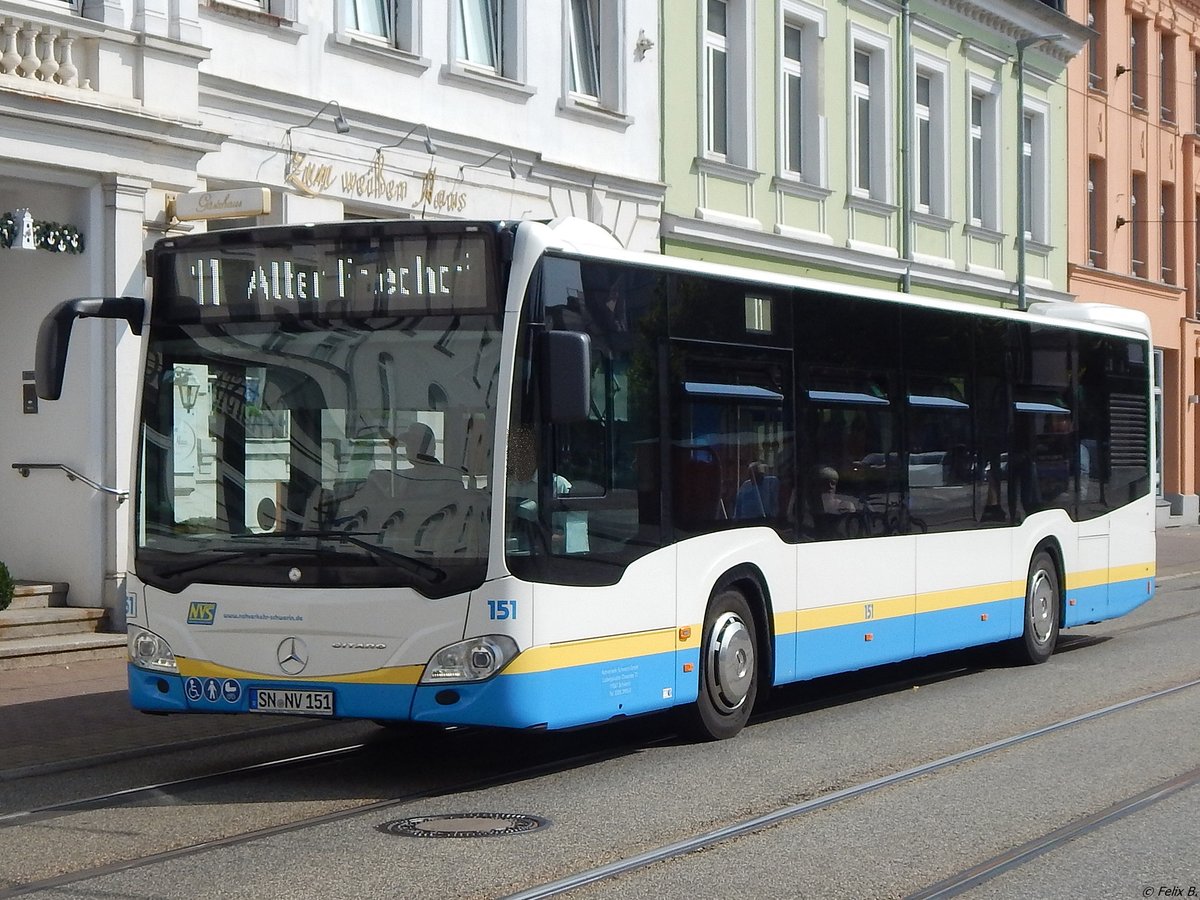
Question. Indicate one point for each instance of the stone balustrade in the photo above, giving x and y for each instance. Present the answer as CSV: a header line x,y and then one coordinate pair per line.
x,y
40,51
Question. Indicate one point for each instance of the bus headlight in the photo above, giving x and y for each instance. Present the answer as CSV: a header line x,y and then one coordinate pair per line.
x,y
148,651
474,659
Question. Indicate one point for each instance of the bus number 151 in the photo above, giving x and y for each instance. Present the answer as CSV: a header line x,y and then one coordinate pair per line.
x,y
502,609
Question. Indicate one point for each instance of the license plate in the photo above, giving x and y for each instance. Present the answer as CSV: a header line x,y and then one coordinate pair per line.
x,y
302,703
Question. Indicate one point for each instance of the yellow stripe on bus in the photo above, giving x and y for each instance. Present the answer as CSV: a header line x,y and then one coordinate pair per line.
x,y
667,640
595,650
1114,575
392,675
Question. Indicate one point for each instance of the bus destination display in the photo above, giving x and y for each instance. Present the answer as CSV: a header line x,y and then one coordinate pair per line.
x,y
386,277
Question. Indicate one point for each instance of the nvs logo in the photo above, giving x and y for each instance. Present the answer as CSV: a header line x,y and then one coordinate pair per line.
x,y
202,613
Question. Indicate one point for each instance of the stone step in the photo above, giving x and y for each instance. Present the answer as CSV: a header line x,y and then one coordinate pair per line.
x,y
21,653
39,595
49,621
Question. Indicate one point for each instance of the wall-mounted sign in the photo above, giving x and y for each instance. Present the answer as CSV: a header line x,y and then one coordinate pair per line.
x,y
372,183
237,203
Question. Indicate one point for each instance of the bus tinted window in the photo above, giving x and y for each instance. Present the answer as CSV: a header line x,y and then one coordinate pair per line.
x,y
583,499
942,467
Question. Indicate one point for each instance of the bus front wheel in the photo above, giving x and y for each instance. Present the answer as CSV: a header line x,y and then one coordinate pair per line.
x,y
1042,606
728,668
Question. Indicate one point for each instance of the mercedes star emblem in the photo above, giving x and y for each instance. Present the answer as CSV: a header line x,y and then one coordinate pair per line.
x,y
292,655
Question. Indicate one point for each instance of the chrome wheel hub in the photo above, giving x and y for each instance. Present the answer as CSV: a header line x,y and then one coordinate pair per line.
x,y
1041,606
730,669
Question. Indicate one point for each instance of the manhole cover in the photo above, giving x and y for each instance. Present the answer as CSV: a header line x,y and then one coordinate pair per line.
x,y
464,825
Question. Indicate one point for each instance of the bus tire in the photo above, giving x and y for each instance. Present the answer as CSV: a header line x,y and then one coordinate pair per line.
x,y
728,668
1043,603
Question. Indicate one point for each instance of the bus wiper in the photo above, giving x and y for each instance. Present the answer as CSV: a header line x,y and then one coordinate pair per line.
x,y
431,573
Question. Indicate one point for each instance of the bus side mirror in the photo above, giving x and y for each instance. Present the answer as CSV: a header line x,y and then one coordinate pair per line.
x,y
566,375
55,334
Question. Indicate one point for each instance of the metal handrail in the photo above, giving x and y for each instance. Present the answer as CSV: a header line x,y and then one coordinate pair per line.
x,y
72,475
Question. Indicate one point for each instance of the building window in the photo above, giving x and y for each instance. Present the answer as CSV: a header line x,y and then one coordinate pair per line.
x,y
716,77
593,66
1139,56
868,151
1166,232
488,35
1096,45
860,123
984,171
585,48
801,137
1097,214
1196,91
726,95
929,137
390,22
793,99
1033,174
1137,225
1166,76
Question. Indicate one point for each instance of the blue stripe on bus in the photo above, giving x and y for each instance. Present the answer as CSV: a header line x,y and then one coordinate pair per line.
x,y
558,698
160,692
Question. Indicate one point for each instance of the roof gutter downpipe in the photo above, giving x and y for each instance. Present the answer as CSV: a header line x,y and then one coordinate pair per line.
x,y
906,134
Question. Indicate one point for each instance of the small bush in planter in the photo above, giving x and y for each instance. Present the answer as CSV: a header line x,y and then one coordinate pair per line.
x,y
6,587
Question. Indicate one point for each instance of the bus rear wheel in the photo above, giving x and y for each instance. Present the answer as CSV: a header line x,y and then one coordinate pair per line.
x,y
1043,602
728,668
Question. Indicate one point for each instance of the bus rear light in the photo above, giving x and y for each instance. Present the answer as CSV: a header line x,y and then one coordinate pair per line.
x,y
475,659
148,651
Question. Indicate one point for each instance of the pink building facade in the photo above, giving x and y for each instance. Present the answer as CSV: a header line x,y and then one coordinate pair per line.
x,y
1134,200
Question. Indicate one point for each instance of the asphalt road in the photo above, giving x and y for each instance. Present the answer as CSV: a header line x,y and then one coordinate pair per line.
x,y
1106,806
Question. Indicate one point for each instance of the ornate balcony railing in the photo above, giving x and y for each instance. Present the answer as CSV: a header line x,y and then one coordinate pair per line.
x,y
49,49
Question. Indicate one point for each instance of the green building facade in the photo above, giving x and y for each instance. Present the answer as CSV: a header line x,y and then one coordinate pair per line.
x,y
871,142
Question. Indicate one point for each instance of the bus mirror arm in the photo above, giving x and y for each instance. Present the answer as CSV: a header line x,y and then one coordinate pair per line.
x,y
566,375
55,334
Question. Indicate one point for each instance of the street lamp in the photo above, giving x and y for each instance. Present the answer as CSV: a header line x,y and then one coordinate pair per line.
x,y
1022,45
189,389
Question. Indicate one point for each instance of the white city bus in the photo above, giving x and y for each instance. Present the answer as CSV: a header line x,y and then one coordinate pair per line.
x,y
510,474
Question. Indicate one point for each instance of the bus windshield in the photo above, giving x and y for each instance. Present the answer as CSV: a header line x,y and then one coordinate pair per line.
x,y
308,419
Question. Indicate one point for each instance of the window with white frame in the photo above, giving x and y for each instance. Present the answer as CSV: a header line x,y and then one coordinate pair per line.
x,y
594,75
984,169
387,22
488,36
584,47
801,140
716,77
929,140
869,153
794,127
1033,174
860,122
